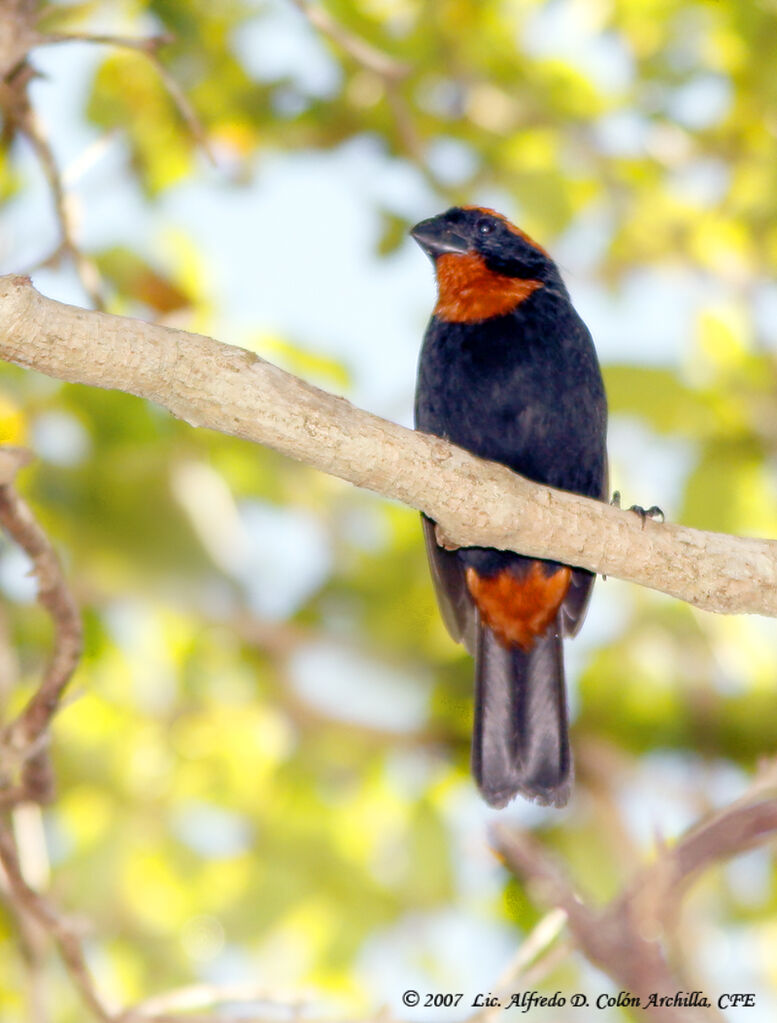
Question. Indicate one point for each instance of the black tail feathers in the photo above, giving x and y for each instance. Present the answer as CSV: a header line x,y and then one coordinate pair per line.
x,y
521,739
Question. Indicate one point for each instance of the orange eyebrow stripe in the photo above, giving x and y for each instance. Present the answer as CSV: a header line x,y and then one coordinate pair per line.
x,y
486,211
519,610
468,291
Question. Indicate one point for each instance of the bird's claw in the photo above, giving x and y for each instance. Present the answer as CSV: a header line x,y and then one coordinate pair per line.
x,y
654,513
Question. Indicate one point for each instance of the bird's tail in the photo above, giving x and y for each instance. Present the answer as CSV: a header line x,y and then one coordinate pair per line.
x,y
521,739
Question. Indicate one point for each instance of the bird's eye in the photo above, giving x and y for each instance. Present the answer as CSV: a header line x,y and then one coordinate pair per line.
x,y
485,226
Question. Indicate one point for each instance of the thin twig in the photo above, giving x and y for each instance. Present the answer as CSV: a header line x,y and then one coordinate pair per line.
x,y
540,947
208,996
26,736
364,53
611,940
86,268
391,72
149,46
169,1007
184,107
625,938
21,116
144,44
33,943
17,34
732,831
62,931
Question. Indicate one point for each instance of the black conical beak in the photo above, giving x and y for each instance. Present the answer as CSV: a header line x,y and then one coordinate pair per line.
x,y
436,237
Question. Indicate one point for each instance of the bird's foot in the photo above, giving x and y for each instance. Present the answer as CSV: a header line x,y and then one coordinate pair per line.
x,y
654,513
443,540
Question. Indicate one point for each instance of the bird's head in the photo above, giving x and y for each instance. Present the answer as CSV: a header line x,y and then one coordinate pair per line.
x,y
477,231
485,265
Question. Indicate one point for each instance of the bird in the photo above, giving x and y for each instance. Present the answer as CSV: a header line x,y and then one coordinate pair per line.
x,y
508,371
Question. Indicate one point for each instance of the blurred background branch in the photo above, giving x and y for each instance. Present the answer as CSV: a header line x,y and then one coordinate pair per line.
x,y
630,938
626,939
19,37
23,741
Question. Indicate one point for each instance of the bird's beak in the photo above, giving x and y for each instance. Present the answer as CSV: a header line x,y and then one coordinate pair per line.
x,y
436,237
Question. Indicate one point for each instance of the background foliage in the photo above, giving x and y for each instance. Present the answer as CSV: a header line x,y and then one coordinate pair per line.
x,y
264,775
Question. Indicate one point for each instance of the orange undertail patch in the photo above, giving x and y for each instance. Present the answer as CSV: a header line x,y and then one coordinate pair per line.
x,y
468,291
519,610
510,226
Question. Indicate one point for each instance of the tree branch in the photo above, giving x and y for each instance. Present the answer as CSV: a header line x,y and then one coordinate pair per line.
x,y
224,388
86,268
18,37
64,933
25,738
625,938
169,1007
149,46
390,71
359,49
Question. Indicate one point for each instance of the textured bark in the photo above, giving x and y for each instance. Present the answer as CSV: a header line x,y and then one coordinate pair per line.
x,y
209,384
630,937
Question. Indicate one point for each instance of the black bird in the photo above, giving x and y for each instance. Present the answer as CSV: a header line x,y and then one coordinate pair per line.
x,y
509,372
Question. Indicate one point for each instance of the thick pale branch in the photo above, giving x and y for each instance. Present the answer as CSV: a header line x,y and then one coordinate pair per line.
x,y
224,388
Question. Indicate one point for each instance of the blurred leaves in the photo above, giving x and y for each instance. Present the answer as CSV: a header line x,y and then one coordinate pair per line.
x,y
134,278
210,812
130,95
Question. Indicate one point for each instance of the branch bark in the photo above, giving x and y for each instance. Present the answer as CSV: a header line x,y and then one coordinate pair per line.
x,y
64,933
627,939
224,388
26,736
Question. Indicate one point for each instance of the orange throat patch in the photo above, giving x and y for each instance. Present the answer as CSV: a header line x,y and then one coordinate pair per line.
x,y
519,610
468,291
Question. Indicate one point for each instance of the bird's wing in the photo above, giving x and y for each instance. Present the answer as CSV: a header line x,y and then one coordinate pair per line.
x,y
456,605
576,601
